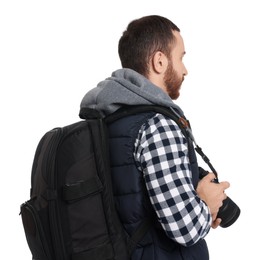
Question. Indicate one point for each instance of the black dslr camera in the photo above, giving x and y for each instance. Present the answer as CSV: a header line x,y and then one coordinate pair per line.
x,y
229,211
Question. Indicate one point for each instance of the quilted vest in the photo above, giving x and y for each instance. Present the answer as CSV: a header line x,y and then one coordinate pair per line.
x,y
132,201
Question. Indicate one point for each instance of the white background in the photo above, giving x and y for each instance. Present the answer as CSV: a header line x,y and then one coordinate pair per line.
x,y
53,52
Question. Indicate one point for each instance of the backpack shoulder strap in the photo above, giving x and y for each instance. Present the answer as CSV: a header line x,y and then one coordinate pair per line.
x,y
131,110
181,121
89,113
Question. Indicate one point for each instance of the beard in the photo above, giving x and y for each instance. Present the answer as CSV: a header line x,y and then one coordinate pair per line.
x,y
172,82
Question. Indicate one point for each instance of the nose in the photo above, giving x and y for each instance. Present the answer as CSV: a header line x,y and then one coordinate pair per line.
x,y
185,71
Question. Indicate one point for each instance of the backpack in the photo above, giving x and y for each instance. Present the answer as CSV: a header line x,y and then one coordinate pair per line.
x,y
71,213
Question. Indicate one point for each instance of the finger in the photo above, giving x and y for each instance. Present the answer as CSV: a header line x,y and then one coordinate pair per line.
x,y
216,223
210,176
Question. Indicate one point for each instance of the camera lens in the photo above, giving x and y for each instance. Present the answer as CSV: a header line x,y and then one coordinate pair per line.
x,y
229,213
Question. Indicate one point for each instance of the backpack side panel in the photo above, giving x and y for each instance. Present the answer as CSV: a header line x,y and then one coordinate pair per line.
x,y
35,212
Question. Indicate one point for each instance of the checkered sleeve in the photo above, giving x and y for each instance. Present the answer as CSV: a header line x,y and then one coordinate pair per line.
x,y
161,153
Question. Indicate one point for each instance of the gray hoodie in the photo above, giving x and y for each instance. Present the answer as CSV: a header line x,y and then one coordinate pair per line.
x,y
125,87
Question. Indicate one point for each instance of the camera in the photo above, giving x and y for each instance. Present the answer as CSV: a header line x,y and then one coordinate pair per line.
x,y
229,211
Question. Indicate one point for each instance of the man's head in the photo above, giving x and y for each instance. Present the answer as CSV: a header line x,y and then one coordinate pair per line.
x,y
153,46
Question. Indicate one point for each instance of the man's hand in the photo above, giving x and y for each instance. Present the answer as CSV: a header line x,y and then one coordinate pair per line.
x,y
213,195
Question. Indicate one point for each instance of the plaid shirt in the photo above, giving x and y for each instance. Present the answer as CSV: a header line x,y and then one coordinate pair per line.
x,y
161,153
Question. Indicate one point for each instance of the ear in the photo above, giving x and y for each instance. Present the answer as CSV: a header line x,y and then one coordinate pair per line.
x,y
159,62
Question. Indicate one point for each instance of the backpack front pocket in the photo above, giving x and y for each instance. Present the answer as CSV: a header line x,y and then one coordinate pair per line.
x,y
36,238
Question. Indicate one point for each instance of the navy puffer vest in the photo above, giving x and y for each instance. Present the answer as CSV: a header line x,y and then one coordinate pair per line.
x,y
132,201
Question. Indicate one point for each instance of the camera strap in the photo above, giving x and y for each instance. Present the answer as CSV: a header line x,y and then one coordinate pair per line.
x,y
185,126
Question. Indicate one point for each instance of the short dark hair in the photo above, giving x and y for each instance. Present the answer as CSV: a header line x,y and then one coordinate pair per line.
x,y
142,39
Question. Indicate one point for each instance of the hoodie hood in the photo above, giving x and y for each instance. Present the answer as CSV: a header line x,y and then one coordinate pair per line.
x,y
125,87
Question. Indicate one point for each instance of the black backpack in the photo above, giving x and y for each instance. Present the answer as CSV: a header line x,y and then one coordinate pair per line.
x,y
71,213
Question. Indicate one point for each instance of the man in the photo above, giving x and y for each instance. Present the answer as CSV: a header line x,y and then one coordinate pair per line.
x,y
154,168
